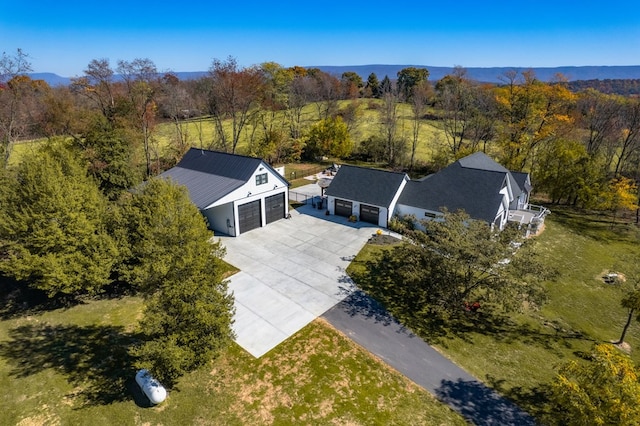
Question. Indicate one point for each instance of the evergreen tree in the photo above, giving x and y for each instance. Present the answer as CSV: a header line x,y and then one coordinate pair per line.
x,y
386,86
373,85
173,262
53,225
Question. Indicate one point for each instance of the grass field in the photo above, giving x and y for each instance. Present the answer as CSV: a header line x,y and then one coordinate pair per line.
x,y
200,133
518,354
70,366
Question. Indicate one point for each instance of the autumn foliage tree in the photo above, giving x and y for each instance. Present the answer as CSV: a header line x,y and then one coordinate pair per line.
x,y
329,137
15,86
234,95
621,194
604,390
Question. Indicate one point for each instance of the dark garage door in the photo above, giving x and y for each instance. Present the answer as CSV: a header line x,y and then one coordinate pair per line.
x,y
249,216
369,214
344,208
274,206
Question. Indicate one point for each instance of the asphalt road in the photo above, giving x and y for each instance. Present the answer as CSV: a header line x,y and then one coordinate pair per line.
x,y
367,323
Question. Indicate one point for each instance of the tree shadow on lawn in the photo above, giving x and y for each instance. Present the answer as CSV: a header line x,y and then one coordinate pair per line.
x,y
94,359
407,308
481,404
536,400
18,299
595,226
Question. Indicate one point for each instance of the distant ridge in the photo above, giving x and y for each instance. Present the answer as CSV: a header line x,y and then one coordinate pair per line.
x,y
493,74
489,75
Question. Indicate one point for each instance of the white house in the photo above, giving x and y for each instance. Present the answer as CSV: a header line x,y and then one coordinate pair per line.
x,y
234,192
481,187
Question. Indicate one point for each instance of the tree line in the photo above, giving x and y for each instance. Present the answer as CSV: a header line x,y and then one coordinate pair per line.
x,y
580,147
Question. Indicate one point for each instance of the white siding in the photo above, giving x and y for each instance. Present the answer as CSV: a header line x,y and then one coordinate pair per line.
x,y
227,207
418,213
222,219
251,191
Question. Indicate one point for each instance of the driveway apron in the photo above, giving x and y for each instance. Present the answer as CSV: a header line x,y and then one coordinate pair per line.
x,y
291,272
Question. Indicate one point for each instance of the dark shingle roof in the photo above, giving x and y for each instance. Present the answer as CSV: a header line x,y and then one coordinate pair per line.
x,y
481,161
210,175
472,184
366,185
521,179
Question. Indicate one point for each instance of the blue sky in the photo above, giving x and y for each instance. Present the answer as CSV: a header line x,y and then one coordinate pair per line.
x,y
63,37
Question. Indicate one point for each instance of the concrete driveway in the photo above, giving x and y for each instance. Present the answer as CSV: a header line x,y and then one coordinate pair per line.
x,y
291,272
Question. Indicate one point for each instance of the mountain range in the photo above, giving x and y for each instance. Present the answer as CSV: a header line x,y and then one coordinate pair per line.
x,y
489,74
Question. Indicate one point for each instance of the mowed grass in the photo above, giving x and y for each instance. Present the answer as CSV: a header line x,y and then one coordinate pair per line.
x,y
519,353
70,366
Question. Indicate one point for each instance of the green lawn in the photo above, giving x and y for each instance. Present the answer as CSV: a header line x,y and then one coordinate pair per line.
x,y
70,366
518,354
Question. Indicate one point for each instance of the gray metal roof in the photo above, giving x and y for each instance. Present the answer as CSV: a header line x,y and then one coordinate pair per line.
x,y
210,175
366,185
471,184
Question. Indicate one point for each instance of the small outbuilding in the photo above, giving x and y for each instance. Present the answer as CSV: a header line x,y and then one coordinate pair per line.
x,y
234,192
368,194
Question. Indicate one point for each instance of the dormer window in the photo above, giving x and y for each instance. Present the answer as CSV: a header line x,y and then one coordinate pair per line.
x,y
261,179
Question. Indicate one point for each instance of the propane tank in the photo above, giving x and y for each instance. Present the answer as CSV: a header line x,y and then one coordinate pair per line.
x,y
151,387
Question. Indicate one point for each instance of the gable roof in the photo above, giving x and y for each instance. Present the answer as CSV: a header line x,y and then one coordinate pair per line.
x,y
366,185
210,175
522,179
472,183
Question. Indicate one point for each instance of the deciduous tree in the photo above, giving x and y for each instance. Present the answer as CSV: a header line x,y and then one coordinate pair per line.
x,y
621,194
234,94
329,137
14,88
408,78
532,113
604,390
458,260
352,84
141,82
630,302
419,99
394,145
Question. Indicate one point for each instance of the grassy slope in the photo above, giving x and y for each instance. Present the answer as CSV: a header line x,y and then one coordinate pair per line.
x,y
201,133
64,366
519,354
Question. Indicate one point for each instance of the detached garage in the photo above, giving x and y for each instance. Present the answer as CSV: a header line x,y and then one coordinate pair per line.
x,y
343,208
369,214
368,194
234,192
